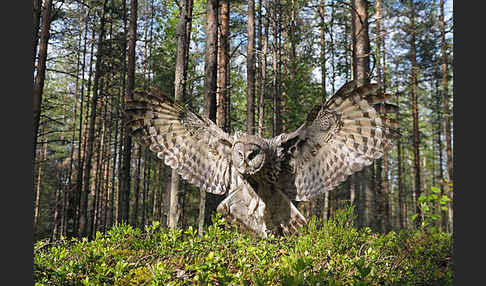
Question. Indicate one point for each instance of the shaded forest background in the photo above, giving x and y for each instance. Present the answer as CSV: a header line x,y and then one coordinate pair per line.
x,y
257,66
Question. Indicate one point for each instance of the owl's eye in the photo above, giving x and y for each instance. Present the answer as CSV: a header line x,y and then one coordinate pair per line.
x,y
253,154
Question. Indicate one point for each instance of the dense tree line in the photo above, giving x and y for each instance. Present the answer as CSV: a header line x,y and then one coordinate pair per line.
x,y
257,66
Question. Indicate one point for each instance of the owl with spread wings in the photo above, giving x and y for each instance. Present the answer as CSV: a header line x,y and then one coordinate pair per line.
x,y
262,178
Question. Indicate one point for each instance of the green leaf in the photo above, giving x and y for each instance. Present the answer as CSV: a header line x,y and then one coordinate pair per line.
x,y
435,190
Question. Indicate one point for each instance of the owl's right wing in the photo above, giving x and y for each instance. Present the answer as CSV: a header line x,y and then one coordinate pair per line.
x,y
196,147
338,139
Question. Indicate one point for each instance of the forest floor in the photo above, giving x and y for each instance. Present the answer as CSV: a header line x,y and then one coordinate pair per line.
x,y
333,254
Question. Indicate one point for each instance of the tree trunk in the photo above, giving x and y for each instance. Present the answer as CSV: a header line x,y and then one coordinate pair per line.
x,y
57,200
41,71
447,112
145,189
41,162
250,69
223,65
262,64
323,50
83,123
443,221
124,192
83,219
211,59
414,84
362,63
98,166
175,208
136,187
386,168
277,120
401,191
69,198
36,24
381,214
208,201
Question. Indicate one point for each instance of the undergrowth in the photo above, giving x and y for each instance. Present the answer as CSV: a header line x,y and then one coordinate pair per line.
x,y
331,254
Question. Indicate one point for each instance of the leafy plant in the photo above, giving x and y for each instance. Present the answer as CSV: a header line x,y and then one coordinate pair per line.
x,y
429,203
330,253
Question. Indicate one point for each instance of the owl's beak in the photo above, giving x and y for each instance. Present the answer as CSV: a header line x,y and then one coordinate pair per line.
x,y
243,164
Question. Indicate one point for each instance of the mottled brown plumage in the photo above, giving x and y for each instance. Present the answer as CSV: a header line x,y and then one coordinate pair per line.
x,y
261,177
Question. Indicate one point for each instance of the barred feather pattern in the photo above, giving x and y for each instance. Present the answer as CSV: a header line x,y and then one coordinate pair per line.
x,y
192,145
260,208
262,177
338,139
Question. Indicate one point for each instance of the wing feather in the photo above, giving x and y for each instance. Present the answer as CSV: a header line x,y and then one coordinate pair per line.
x,y
339,138
193,145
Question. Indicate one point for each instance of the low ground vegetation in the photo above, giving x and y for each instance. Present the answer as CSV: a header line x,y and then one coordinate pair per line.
x,y
334,253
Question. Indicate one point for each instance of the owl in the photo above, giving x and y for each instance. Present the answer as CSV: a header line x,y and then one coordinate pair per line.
x,y
262,178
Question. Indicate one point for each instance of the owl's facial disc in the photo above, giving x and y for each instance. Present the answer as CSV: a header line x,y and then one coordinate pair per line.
x,y
248,158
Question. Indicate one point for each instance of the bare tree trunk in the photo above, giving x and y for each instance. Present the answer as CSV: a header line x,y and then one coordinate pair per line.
x,y
208,202
41,162
414,83
160,189
83,113
106,190
36,9
223,65
381,214
145,189
175,208
211,59
116,153
250,69
402,204
277,107
41,71
362,63
262,64
443,221
386,183
98,167
323,49
57,200
69,198
136,187
124,192
166,183
447,112
319,206
353,179
83,219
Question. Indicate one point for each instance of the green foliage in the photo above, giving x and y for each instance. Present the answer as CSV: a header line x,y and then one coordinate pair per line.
x,y
332,254
429,204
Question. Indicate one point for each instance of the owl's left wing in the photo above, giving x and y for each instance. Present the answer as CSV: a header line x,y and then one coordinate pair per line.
x,y
338,139
196,147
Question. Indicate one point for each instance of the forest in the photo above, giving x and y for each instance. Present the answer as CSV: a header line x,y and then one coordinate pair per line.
x,y
256,66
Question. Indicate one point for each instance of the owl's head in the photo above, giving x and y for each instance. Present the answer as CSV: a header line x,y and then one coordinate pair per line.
x,y
248,153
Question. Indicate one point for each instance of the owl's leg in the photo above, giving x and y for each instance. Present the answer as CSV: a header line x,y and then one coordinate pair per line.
x,y
283,215
246,208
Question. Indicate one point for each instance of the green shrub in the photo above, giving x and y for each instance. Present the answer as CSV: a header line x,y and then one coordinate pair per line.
x,y
331,254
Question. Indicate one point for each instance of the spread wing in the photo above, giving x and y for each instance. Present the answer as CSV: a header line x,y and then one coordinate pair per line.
x,y
195,146
338,138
